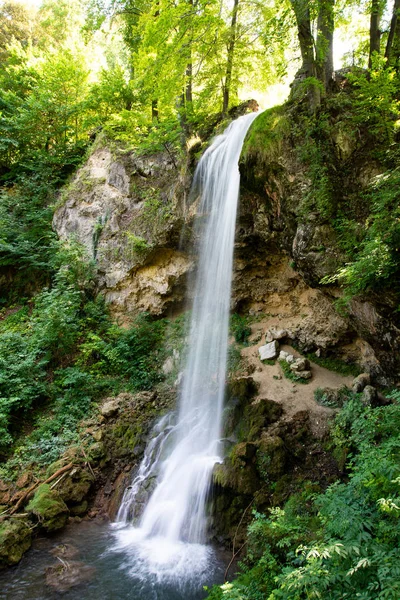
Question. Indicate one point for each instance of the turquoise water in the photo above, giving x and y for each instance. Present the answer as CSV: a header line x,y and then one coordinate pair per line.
x,y
112,576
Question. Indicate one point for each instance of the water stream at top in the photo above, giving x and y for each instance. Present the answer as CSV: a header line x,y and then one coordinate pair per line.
x,y
169,540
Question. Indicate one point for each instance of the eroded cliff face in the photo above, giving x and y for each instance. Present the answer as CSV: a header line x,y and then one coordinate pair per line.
x,y
128,212
132,215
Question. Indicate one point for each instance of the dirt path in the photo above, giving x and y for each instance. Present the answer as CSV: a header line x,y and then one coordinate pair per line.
x,y
293,396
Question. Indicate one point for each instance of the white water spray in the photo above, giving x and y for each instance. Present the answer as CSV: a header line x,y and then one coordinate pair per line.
x,y
173,525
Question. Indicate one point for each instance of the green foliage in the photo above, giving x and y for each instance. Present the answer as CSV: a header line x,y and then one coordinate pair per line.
x,y
343,543
334,364
239,328
333,398
375,258
266,134
137,244
375,102
61,353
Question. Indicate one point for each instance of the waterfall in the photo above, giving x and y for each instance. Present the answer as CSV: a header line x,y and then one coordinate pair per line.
x,y
180,458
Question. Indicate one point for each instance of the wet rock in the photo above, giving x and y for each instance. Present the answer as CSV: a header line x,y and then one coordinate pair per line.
x,y
67,574
269,351
110,408
243,452
78,510
65,551
15,540
49,508
360,382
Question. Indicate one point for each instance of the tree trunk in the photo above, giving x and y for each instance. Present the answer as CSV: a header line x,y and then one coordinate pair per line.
x,y
302,14
324,49
229,60
392,51
154,110
374,31
308,68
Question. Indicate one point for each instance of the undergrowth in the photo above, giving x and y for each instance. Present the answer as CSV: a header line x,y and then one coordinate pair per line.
x,y
342,543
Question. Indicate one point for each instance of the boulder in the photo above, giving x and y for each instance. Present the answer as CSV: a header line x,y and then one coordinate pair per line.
x,y
49,508
360,382
369,395
274,333
65,575
269,351
15,540
300,364
110,408
304,374
271,457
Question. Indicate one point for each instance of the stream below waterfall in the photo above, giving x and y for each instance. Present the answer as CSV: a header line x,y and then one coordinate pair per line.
x,y
107,571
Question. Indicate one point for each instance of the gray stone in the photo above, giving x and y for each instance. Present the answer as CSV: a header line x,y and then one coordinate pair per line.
x,y
304,374
110,408
275,334
168,366
269,351
369,395
283,355
300,364
360,382
290,358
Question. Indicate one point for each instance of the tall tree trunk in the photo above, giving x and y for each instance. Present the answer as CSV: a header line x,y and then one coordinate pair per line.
x,y
324,49
188,87
374,31
302,14
229,60
392,51
154,110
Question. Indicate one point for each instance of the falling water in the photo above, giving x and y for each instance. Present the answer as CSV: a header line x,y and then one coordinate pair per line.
x,y
169,539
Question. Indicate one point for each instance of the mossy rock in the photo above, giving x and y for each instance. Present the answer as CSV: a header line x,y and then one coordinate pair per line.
x,y
243,453
15,540
49,508
77,510
75,486
241,388
258,415
241,479
271,458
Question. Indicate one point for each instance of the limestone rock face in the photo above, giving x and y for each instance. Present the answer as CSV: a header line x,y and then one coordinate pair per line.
x,y
127,212
316,252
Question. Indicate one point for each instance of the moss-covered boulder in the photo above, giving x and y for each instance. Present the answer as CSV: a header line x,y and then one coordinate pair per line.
x,y
49,508
257,415
271,458
15,540
75,486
